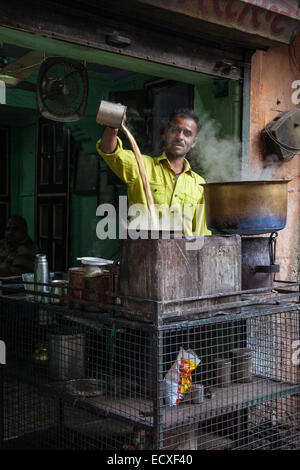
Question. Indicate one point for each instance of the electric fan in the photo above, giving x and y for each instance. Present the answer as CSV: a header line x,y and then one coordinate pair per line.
x,y
62,89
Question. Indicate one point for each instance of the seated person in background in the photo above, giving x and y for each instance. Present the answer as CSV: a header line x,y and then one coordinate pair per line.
x,y
17,250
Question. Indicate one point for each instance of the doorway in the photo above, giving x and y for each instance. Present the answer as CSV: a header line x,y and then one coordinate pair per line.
x,y
52,192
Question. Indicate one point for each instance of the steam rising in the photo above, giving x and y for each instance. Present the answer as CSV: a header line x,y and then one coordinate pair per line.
x,y
219,159
215,158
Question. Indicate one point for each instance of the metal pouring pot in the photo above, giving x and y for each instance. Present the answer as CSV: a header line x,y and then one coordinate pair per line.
x,y
111,114
246,207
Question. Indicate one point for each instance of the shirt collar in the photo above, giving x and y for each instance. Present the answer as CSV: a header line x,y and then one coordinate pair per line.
x,y
163,157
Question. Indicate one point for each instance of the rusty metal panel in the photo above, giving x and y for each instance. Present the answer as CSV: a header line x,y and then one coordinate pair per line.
x,y
167,270
256,253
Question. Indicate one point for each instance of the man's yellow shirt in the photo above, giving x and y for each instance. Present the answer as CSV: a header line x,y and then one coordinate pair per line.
x,y
177,192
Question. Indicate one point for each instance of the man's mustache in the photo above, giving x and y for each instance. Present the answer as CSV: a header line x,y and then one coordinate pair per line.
x,y
178,142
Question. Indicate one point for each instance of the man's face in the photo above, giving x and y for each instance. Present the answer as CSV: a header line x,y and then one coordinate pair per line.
x,y
14,233
180,137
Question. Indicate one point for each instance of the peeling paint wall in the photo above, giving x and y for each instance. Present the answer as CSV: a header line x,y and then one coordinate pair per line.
x,y
272,76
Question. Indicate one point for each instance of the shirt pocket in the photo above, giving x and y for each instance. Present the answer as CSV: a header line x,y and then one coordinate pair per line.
x,y
159,193
190,206
190,200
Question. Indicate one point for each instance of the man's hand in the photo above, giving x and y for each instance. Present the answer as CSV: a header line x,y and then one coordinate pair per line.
x,y
109,141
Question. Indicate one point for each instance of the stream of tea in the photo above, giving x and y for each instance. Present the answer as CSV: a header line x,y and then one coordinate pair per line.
x,y
146,185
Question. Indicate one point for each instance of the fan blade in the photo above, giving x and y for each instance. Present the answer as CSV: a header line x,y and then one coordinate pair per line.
x,y
25,66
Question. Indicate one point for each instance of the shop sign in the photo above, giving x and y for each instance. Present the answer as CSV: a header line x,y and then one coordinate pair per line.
x,y
264,18
288,8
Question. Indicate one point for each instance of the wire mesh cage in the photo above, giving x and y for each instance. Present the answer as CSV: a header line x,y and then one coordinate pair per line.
x,y
227,380
76,380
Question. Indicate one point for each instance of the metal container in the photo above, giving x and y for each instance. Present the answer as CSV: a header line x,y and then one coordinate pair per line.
x,y
167,270
111,114
258,262
58,288
241,365
41,275
96,287
222,372
66,356
246,207
76,286
197,393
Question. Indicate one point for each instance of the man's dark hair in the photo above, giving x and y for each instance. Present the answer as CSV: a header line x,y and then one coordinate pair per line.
x,y
186,113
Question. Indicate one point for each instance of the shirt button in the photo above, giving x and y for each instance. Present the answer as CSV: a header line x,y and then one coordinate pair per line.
x,y
175,195
174,178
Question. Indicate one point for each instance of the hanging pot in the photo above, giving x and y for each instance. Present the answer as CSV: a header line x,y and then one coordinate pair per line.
x,y
246,207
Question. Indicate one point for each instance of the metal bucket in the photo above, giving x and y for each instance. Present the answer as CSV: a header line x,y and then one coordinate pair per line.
x,y
246,207
66,356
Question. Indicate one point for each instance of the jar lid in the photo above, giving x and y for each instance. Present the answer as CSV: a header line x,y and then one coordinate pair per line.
x,y
95,261
40,256
241,352
222,360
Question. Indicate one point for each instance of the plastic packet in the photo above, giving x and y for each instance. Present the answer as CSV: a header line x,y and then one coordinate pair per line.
x,y
178,379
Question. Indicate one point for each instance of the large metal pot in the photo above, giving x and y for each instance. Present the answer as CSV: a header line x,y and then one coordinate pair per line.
x,y
246,207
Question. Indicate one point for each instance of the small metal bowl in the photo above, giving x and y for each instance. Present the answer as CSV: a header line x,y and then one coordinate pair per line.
x,y
83,387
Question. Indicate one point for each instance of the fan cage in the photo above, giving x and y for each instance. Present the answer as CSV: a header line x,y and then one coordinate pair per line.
x,y
62,89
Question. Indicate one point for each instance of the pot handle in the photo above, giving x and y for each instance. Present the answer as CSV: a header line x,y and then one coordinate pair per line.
x,y
272,268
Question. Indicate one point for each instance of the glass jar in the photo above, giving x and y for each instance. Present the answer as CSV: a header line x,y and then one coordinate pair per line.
x,y
222,372
241,365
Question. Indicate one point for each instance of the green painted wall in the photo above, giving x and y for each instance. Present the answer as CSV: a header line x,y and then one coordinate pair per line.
x,y
23,161
220,99
86,132
217,155
22,125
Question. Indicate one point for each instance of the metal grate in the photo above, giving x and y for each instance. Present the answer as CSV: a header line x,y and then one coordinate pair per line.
x,y
80,380
246,366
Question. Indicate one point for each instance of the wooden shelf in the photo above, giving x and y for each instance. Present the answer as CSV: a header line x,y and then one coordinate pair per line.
x,y
229,399
140,411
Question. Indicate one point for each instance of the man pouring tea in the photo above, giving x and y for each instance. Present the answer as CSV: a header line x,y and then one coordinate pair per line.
x,y
174,185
